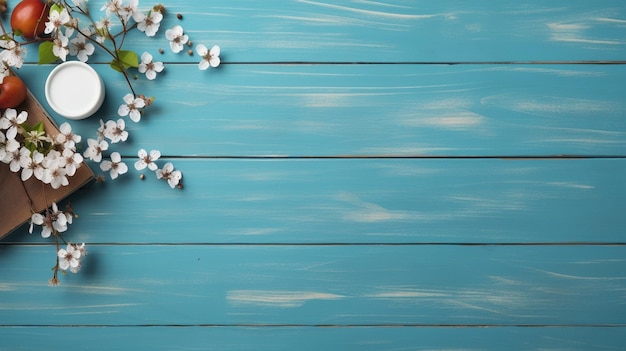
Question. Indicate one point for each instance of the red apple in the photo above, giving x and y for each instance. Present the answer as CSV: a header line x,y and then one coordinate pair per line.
x,y
12,92
29,17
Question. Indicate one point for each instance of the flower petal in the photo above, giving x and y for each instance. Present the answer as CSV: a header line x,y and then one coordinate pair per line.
x,y
201,49
116,157
155,154
214,61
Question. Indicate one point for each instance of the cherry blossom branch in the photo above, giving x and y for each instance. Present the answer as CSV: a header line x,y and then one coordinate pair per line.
x,y
42,156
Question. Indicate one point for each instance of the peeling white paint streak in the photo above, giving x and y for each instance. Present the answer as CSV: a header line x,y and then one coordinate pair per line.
x,y
461,120
610,20
406,294
371,12
277,298
569,276
370,212
572,32
571,185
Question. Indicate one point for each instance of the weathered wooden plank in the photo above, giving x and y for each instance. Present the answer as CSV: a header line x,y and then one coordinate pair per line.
x,y
313,285
393,30
316,338
312,110
358,201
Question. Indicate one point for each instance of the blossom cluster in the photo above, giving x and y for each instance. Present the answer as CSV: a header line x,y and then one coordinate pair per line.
x,y
12,55
71,256
68,38
55,222
30,151
54,159
112,132
63,24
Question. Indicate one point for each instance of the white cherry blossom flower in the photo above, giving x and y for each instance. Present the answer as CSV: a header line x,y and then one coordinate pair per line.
x,y
59,219
32,164
131,107
53,159
168,173
54,220
13,159
58,177
57,20
147,160
55,163
73,160
66,137
11,121
115,165
60,49
176,38
149,67
77,268
7,146
80,48
35,219
28,164
13,54
104,24
69,258
131,10
82,249
3,147
95,148
209,57
115,131
101,129
39,219
83,253
112,7
150,24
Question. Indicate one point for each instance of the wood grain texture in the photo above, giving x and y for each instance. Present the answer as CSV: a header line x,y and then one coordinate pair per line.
x,y
313,338
382,110
394,30
359,175
358,201
319,285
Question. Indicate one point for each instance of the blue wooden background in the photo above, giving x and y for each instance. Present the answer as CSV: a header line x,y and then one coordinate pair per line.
x,y
359,175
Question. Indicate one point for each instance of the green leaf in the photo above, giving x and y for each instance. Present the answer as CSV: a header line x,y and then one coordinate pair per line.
x,y
116,65
39,127
56,8
125,60
128,58
46,55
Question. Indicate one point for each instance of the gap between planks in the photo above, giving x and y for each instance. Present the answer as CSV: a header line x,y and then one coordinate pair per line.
x,y
9,243
391,157
445,63
213,325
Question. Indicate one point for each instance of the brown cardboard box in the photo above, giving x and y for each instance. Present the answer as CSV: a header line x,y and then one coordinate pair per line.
x,y
16,196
